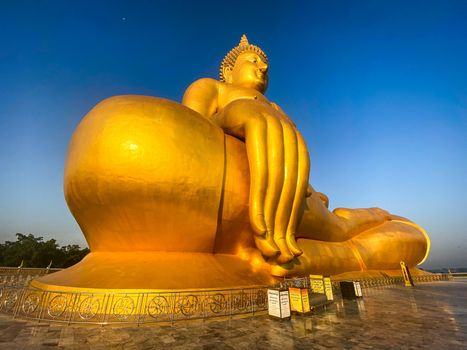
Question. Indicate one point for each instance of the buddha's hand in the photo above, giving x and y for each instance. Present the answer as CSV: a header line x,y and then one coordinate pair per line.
x,y
279,170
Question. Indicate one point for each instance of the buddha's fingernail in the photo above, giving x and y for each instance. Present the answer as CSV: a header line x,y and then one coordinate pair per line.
x,y
286,256
294,248
266,248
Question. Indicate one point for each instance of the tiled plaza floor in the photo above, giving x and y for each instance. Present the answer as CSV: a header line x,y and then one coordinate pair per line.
x,y
431,315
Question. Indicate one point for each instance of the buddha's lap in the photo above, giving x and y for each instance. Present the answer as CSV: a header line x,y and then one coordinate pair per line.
x,y
145,173
380,248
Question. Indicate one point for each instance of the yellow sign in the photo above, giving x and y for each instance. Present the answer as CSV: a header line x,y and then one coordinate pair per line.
x,y
407,276
299,301
328,288
305,300
295,299
316,284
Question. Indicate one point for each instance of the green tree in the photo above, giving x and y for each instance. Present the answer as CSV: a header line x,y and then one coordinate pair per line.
x,y
72,254
35,252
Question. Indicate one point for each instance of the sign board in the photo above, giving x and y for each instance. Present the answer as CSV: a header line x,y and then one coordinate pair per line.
x,y
295,299
274,305
285,303
349,289
358,289
299,300
278,303
305,300
316,284
328,288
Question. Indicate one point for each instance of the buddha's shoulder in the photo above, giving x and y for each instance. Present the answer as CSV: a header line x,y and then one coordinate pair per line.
x,y
205,83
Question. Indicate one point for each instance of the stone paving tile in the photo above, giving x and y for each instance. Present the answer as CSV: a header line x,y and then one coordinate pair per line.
x,y
431,315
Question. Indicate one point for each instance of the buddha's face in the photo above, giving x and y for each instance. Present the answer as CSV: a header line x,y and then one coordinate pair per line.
x,y
249,71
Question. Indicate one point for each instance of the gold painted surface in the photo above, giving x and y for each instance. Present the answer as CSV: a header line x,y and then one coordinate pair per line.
x,y
212,188
129,176
155,271
125,307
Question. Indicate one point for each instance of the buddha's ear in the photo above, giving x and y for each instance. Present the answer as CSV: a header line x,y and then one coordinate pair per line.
x,y
227,72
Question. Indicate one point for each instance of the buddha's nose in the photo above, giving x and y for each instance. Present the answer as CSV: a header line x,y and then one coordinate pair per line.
x,y
263,68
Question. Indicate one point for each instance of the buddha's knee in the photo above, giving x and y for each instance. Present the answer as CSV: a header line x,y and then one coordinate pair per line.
x,y
136,176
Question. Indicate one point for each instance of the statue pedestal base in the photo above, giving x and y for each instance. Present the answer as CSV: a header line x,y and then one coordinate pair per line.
x,y
155,271
145,287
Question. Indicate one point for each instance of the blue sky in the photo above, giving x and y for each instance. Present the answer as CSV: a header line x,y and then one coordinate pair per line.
x,y
378,88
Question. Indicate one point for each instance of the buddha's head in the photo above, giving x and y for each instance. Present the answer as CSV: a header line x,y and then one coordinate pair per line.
x,y
245,65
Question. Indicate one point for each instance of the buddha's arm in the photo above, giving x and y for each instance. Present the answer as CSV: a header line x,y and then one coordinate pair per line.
x,y
202,97
279,168
278,160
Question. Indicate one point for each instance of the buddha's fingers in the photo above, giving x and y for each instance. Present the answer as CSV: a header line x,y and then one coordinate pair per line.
x,y
256,147
275,157
286,200
300,194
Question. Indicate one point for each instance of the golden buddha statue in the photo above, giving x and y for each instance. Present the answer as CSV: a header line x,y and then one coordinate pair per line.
x,y
213,193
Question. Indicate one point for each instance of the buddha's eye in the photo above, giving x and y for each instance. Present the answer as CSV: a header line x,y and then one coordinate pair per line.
x,y
254,60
